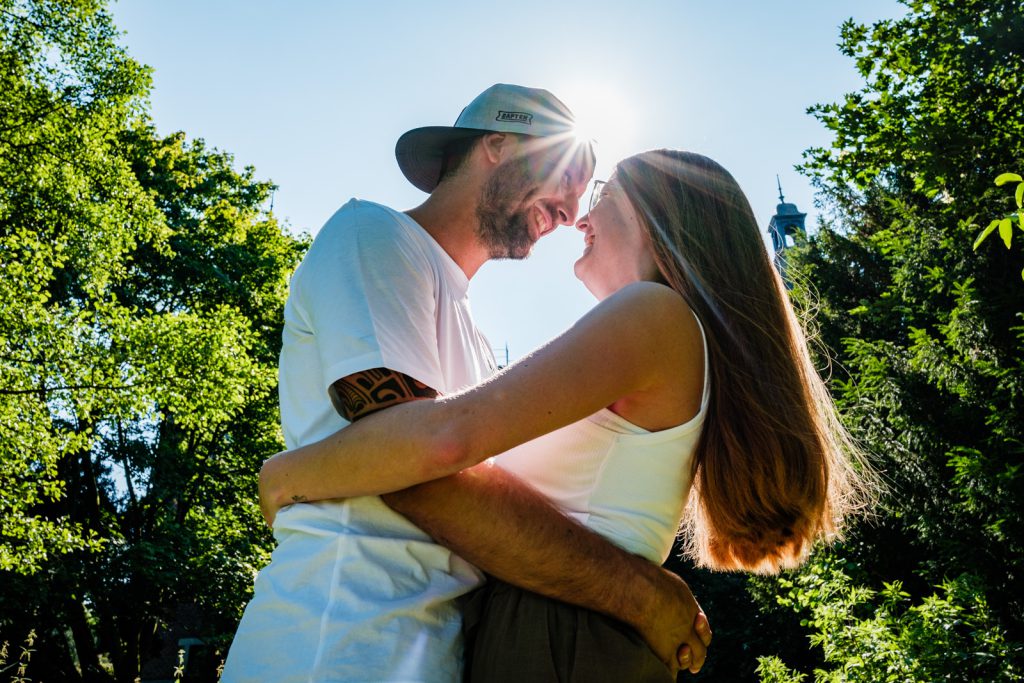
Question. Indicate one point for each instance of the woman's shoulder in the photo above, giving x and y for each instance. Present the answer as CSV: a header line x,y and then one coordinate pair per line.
x,y
652,318
645,290
652,303
666,334
635,327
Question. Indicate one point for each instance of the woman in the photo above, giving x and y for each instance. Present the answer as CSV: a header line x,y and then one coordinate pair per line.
x,y
691,372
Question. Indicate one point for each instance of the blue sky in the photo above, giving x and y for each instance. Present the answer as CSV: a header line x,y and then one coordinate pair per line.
x,y
314,94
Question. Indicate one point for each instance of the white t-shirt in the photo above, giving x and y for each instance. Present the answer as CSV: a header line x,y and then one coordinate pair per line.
x,y
354,591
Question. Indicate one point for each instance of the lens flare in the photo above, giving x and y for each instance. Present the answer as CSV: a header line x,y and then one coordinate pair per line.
x,y
604,115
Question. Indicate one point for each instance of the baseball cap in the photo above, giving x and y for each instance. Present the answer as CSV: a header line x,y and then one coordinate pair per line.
x,y
502,108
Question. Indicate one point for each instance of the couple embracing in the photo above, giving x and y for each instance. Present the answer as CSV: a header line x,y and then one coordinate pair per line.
x,y
416,469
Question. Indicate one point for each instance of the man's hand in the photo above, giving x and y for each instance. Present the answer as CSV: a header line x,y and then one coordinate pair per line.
x,y
702,627
676,628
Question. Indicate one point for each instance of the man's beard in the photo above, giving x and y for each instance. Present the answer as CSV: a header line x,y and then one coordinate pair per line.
x,y
503,225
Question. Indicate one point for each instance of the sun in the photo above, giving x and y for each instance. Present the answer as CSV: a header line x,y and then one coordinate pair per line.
x,y
604,115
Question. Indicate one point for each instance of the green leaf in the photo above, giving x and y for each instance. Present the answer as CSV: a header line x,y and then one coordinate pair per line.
x,y
985,233
1004,178
1006,231
1019,195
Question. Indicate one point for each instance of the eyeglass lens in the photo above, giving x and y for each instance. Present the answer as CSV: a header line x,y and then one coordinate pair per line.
x,y
595,194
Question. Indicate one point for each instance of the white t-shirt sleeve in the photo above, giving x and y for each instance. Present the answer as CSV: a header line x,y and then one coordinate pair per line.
x,y
368,292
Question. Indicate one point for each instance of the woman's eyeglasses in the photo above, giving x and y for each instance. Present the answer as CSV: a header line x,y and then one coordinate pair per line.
x,y
595,194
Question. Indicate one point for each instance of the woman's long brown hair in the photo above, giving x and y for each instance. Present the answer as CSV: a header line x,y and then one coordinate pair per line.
x,y
774,469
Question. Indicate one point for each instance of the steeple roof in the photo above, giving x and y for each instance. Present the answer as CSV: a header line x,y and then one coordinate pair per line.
x,y
784,208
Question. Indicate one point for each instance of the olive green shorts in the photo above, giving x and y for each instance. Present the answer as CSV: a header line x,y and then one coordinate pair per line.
x,y
515,636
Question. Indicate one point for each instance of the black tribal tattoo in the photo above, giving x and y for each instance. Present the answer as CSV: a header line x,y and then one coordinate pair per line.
x,y
366,392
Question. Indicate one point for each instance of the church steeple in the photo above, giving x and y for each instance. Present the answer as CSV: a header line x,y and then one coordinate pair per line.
x,y
786,226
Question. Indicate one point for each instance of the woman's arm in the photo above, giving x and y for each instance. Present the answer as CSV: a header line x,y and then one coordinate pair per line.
x,y
627,344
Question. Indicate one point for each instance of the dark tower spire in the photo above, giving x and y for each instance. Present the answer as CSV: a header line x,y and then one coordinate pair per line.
x,y
786,226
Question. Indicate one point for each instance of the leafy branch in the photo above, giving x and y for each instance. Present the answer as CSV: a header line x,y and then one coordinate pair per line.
x,y
1005,224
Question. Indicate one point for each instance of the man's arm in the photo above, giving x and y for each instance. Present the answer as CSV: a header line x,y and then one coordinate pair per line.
x,y
509,530
500,524
364,393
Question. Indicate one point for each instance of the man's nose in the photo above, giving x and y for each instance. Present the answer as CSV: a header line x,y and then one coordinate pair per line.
x,y
566,208
583,223
566,215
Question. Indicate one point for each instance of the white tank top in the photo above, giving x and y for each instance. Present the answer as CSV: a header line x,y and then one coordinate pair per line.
x,y
620,480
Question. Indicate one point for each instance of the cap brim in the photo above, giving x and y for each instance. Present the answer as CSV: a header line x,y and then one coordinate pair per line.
x,y
420,152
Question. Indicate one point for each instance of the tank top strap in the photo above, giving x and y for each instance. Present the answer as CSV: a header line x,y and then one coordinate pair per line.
x,y
706,394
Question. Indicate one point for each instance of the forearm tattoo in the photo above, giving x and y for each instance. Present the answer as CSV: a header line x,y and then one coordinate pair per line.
x,y
366,392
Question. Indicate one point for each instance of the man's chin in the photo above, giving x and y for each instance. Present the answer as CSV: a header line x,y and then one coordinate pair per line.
x,y
516,253
507,236
516,242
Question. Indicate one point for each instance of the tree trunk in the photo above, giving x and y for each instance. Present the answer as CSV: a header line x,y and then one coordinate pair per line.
x,y
84,642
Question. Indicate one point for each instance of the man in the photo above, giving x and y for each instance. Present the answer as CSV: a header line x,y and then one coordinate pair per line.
x,y
378,315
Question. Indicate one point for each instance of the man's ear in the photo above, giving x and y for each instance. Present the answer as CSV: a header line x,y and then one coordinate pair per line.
x,y
496,147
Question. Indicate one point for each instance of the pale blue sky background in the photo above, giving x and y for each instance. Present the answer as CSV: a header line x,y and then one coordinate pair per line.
x,y
314,94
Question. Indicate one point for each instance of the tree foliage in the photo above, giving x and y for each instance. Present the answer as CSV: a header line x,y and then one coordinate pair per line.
x,y
929,344
140,314
868,634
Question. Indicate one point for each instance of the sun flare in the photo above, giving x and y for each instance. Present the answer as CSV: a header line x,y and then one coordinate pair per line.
x,y
604,115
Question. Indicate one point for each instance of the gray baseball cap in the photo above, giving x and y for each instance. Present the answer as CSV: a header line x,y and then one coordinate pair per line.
x,y
502,108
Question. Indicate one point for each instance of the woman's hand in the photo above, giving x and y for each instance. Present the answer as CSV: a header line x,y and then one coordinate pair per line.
x,y
269,504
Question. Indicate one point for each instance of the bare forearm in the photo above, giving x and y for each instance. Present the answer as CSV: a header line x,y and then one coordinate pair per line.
x,y
386,451
512,532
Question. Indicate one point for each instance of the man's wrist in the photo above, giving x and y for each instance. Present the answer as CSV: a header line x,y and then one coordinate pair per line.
x,y
645,598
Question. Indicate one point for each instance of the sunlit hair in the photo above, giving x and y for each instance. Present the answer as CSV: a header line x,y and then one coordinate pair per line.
x,y
774,469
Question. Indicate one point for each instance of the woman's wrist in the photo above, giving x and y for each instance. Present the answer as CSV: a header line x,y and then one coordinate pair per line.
x,y
270,493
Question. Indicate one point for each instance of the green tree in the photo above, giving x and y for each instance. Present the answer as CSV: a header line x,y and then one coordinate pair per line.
x,y
929,347
140,315
879,635
55,169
